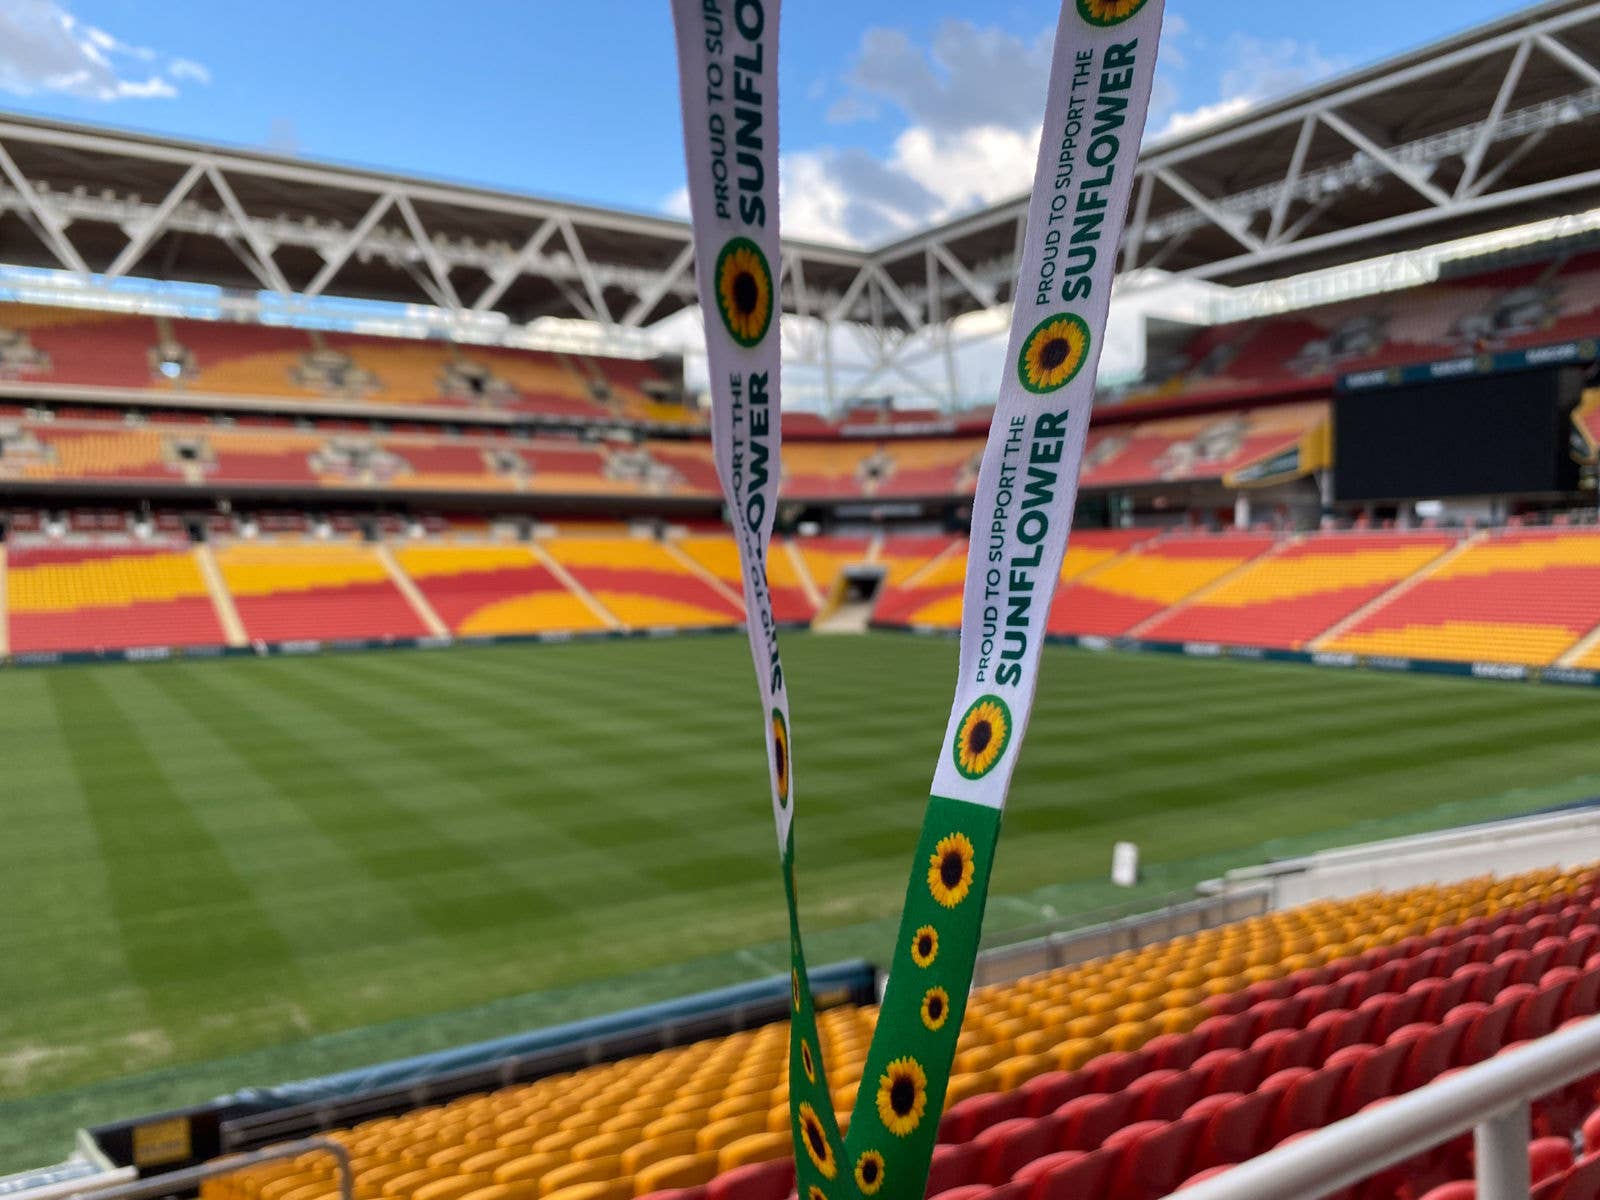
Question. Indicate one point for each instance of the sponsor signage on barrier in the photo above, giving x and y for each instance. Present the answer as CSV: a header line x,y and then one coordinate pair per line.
x,y
1202,649
1483,670
1327,658
1557,354
1383,662
1569,675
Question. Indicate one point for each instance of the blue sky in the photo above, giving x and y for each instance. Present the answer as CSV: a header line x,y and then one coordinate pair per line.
x,y
893,113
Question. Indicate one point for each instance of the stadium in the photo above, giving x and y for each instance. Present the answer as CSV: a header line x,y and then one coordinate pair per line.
x,y
385,816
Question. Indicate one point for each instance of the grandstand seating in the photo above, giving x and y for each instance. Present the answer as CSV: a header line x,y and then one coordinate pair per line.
x,y
1119,1077
828,470
932,598
482,590
1285,600
1124,593
935,467
718,554
826,558
98,452
107,594
929,598
1206,447
240,360
315,591
643,583
85,348
1515,596
1528,305
80,346
92,444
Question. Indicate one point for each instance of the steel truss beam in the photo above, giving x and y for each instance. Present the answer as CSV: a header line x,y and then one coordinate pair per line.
x,y
1269,192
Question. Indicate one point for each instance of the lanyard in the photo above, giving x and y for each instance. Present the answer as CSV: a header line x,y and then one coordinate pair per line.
x,y
1022,511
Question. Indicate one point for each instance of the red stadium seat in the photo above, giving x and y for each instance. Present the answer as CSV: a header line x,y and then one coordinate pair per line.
x,y
756,1181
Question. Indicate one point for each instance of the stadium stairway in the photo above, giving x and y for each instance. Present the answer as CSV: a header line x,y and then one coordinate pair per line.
x,y
1118,1077
221,598
641,583
488,589
315,591
412,593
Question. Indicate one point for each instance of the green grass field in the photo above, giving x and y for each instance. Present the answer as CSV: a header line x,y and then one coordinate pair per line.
x,y
210,869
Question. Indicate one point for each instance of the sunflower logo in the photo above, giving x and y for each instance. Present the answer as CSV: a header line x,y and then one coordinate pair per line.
x,y
807,1063
925,946
794,987
1054,352
744,291
780,755
950,869
981,737
902,1096
1108,12
935,1008
816,1193
869,1172
816,1141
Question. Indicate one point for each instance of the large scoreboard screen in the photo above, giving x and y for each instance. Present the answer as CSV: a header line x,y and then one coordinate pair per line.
x,y
1488,435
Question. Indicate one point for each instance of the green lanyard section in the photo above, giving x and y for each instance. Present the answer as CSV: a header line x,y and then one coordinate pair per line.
x,y
895,1121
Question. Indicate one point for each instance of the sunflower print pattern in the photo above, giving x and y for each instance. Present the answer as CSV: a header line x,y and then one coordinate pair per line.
x,y
818,1148
869,1172
1054,353
807,1062
982,736
780,756
925,946
950,869
744,291
902,1096
816,1193
935,1008
1108,12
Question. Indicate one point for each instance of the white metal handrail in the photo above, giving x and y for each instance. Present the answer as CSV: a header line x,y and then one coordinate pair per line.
x,y
1491,1098
175,1183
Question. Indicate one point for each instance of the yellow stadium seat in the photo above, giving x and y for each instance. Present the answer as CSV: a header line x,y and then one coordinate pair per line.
x,y
686,1170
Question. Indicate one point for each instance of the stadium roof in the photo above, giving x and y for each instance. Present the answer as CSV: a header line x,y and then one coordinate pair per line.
x,y
1487,129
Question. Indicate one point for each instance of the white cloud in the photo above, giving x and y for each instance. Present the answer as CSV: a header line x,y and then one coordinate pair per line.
x,y
44,48
1248,70
970,101
187,68
1181,123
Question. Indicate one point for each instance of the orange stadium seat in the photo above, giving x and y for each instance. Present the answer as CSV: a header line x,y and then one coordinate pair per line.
x,y
933,467
315,591
1145,1067
484,590
1517,596
1123,594
1284,600
104,596
643,583
932,598
824,470
718,554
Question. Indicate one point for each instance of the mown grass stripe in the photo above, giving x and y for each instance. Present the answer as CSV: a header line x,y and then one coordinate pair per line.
x,y
180,909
